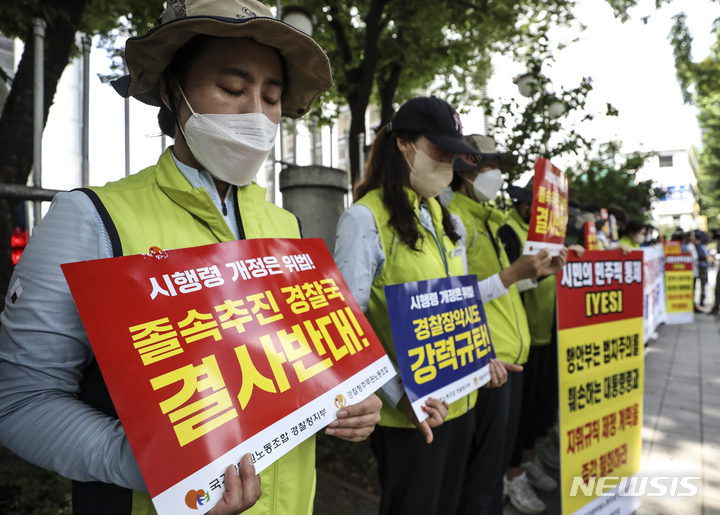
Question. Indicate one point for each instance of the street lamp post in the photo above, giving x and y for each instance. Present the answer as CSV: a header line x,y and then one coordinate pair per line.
x,y
39,26
303,20
529,87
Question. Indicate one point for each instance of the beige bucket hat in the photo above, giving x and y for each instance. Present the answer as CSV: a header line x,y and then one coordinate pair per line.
x,y
146,57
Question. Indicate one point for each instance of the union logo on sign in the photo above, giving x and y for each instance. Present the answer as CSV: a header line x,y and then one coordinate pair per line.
x,y
196,498
340,401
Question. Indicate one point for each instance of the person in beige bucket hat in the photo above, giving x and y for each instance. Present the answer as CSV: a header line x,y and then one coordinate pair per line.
x,y
223,72
146,57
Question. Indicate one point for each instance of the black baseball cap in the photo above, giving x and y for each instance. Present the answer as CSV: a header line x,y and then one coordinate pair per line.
x,y
524,194
437,121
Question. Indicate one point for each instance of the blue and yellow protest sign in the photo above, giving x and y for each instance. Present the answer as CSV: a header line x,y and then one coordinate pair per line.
x,y
441,338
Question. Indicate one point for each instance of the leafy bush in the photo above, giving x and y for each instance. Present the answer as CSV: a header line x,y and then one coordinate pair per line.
x,y
29,490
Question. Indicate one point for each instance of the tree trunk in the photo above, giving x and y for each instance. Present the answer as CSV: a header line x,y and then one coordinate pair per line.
x,y
16,122
366,74
357,127
387,93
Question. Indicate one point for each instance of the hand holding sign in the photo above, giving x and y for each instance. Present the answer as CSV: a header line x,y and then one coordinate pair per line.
x,y
526,267
242,489
436,413
355,423
498,372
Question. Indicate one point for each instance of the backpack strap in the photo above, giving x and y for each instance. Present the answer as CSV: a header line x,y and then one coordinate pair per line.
x,y
106,220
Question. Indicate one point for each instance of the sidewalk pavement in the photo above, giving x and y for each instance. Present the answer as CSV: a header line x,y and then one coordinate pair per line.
x,y
681,423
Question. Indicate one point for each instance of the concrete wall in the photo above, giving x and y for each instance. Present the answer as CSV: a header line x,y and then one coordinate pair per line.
x,y
316,195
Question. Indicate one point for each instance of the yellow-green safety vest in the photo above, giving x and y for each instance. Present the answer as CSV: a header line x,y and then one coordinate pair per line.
x,y
486,257
627,242
158,207
539,301
433,260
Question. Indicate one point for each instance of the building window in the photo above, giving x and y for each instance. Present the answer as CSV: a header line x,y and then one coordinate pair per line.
x,y
666,161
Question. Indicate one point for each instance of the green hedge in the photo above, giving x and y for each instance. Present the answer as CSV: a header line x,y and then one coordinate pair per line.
x,y
29,490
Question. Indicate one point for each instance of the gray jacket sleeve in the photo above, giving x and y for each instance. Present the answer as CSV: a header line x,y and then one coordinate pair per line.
x,y
360,257
44,350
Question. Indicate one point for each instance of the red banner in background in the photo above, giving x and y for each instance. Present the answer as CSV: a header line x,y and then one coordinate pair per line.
x,y
548,222
591,241
212,352
602,286
679,282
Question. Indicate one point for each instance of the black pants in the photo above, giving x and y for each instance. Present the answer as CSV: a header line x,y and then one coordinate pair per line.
x,y
489,457
422,479
539,398
703,276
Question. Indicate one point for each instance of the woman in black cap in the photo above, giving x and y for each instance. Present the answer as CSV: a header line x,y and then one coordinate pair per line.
x,y
397,232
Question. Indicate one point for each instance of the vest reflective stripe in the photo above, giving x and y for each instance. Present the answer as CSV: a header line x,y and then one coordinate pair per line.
x,y
158,207
402,265
506,315
540,301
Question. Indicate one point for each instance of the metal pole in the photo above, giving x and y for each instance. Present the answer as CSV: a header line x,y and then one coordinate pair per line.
x,y
127,135
38,108
272,181
331,144
22,192
294,135
313,142
361,153
86,44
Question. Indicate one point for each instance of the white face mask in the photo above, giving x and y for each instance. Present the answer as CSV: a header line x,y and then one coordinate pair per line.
x,y
487,185
639,239
232,147
429,177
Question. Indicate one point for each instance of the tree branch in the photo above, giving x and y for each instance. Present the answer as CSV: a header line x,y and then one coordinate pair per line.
x,y
338,28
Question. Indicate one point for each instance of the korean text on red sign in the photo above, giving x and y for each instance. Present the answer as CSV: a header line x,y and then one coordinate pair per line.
x,y
549,216
213,352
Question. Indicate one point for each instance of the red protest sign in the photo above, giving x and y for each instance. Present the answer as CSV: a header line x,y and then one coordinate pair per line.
x,y
212,352
679,281
548,221
600,287
591,241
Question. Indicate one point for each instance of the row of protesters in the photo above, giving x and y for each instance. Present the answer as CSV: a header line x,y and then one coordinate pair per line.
x,y
633,234
537,442
695,243
222,73
499,411
404,227
397,232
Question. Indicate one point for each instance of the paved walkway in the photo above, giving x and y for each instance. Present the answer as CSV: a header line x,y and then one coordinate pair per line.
x,y
681,426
